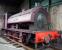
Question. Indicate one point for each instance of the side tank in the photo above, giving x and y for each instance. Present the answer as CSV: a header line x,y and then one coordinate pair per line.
x,y
37,18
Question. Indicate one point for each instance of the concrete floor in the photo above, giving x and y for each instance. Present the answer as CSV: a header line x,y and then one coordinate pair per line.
x,y
4,45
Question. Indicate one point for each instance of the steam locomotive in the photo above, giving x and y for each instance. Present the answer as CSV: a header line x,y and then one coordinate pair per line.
x,y
31,27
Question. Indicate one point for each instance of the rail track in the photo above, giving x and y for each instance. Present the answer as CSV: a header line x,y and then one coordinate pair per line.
x,y
19,45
